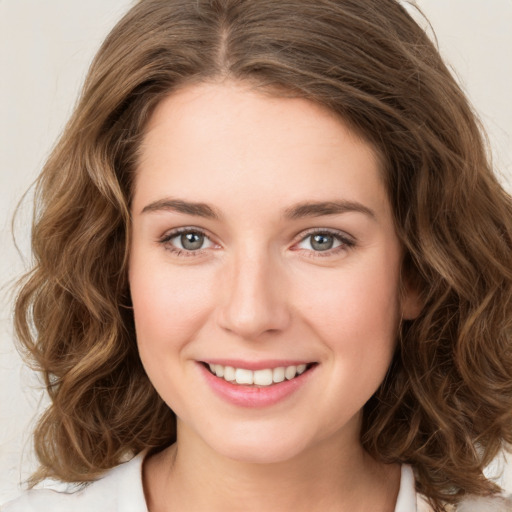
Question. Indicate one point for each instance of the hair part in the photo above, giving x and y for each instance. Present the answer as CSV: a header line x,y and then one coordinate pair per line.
x,y
446,404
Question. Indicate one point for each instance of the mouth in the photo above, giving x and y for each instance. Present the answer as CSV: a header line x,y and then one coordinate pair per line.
x,y
264,377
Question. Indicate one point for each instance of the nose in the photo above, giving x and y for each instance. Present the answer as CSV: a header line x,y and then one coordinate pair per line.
x,y
254,300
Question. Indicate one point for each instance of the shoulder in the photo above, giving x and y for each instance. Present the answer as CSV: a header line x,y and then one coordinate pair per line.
x,y
498,503
119,490
472,504
491,504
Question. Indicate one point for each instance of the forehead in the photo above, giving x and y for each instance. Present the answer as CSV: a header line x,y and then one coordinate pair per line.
x,y
250,111
228,139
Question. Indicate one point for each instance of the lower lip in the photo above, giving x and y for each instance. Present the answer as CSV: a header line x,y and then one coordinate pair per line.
x,y
252,396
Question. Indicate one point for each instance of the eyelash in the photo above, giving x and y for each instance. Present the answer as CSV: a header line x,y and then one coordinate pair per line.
x,y
346,242
166,239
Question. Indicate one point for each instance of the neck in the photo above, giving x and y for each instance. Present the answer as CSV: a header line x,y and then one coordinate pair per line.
x,y
331,476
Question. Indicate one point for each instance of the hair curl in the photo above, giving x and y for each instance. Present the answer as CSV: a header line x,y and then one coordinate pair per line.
x,y
446,404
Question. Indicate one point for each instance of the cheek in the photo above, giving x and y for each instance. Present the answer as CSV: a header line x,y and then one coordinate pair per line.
x,y
170,307
354,299
356,312
356,317
170,304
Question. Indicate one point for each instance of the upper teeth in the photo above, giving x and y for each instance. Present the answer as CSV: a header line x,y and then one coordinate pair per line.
x,y
264,377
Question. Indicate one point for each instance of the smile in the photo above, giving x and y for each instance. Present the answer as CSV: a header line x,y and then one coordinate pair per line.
x,y
263,384
263,377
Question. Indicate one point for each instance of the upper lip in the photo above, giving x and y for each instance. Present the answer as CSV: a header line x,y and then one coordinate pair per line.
x,y
256,365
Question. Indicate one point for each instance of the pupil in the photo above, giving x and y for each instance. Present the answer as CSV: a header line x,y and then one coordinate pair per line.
x,y
322,242
192,241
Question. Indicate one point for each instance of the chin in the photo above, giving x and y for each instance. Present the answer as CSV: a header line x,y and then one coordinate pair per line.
x,y
262,454
268,448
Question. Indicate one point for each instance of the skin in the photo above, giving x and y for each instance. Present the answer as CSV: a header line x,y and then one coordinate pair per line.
x,y
258,289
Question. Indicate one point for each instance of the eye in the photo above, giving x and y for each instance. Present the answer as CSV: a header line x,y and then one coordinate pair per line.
x,y
186,240
320,242
190,241
325,241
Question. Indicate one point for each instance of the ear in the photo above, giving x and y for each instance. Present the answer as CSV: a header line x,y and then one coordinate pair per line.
x,y
412,303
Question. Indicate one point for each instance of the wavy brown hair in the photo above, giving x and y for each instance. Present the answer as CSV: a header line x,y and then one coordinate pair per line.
x,y
445,406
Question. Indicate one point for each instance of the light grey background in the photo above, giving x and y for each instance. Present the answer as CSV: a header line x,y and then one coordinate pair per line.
x,y
45,49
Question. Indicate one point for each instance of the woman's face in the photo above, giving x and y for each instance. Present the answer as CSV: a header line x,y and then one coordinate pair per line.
x,y
263,245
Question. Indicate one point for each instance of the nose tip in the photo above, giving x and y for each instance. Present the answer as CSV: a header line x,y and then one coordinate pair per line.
x,y
255,301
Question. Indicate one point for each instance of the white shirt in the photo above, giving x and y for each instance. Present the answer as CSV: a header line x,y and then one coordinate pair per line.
x,y
120,490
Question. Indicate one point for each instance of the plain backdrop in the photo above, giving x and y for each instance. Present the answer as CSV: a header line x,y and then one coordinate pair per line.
x,y
45,49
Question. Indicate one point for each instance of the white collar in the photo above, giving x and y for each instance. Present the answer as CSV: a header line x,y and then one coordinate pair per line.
x,y
406,501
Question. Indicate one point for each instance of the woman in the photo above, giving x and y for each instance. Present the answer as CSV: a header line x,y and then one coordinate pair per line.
x,y
274,265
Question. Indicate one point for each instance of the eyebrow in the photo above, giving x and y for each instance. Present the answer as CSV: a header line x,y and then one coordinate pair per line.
x,y
186,207
298,211
318,209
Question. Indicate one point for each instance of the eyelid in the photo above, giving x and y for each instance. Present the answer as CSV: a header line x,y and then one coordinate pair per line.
x,y
184,229
173,233
342,235
347,241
